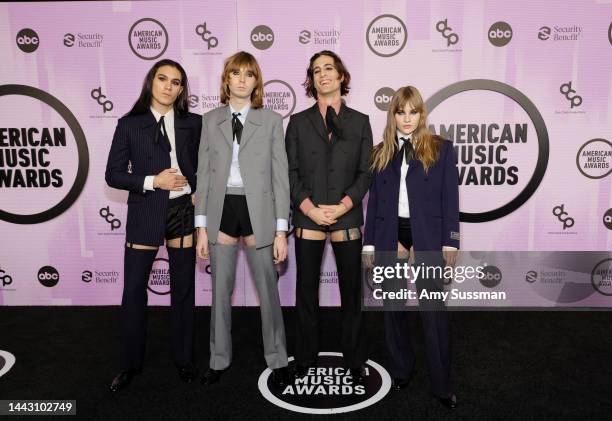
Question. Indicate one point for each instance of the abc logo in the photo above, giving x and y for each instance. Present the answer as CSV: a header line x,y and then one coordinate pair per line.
x,y
48,276
491,277
382,98
607,219
27,40
500,34
262,37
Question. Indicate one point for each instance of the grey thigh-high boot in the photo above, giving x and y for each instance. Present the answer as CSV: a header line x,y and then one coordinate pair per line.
x,y
223,269
261,265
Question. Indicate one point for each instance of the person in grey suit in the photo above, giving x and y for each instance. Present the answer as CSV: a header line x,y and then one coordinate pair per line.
x,y
243,191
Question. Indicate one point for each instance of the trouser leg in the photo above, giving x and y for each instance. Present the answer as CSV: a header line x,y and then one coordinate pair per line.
x,y
308,256
261,265
137,265
223,268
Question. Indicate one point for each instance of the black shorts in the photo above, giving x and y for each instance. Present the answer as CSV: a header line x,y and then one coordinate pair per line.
x,y
180,220
404,232
235,220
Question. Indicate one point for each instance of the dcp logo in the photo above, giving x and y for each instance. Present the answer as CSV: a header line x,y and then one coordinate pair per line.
x,y
5,278
563,216
500,34
607,219
382,98
262,37
544,33
69,40
304,37
531,276
446,31
99,97
210,41
48,276
566,89
110,218
27,40
491,277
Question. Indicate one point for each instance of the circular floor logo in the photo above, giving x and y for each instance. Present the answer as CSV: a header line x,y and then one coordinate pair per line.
x,y
500,34
42,143
386,35
262,37
279,96
594,158
159,278
491,151
27,40
7,361
328,388
148,39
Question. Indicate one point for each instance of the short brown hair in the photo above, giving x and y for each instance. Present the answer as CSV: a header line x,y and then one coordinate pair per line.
x,y
240,60
309,85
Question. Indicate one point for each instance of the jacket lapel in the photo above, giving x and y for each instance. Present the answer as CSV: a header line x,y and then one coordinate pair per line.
x,y
148,124
181,130
252,123
225,125
317,121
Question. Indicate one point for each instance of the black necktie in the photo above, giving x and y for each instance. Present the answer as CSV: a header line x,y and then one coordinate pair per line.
x,y
333,122
236,127
407,149
161,132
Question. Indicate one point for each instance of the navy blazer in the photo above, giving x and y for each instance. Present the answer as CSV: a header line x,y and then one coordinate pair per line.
x,y
433,200
134,146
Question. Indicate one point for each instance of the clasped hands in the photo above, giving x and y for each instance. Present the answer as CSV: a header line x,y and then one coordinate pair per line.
x,y
327,214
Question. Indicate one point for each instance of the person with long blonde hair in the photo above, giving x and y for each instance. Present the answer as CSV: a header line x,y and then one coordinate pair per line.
x,y
413,206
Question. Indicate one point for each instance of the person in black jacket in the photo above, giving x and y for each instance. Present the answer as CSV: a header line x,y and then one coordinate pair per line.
x,y
328,148
154,156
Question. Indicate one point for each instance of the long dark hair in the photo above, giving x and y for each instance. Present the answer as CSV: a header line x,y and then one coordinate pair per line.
x,y
309,84
143,103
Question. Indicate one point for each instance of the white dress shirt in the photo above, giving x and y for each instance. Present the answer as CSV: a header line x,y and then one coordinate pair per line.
x,y
169,123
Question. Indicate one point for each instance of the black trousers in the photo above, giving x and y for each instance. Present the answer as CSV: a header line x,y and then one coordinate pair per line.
x,y
435,322
137,267
308,254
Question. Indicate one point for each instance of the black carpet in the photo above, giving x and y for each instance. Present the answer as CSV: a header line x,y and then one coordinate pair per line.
x,y
507,365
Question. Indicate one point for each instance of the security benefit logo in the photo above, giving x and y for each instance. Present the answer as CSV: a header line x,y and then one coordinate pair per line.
x,y
148,39
279,96
328,388
44,158
159,278
560,33
386,35
594,158
501,145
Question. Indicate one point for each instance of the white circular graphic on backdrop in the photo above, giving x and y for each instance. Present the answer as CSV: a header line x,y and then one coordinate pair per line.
x,y
328,388
9,362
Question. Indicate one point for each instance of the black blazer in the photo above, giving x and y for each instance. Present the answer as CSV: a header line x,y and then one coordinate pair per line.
x,y
327,170
134,143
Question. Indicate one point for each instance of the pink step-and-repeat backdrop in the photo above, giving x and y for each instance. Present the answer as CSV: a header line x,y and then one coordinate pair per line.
x,y
523,89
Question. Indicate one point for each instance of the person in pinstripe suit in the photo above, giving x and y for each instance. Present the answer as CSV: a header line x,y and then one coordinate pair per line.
x,y
154,156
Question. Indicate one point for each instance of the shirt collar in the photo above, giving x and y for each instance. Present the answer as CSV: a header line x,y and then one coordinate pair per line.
x,y
243,113
168,117
323,106
400,134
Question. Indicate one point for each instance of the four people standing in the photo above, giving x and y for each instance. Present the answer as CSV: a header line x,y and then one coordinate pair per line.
x,y
246,176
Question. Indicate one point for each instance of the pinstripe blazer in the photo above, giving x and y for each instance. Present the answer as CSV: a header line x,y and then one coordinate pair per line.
x,y
134,143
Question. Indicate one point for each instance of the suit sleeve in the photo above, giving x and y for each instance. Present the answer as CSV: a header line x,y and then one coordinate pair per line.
x,y
369,233
203,176
117,175
298,191
450,199
280,171
360,186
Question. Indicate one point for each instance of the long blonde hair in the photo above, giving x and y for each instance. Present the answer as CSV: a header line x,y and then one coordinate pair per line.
x,y
426,145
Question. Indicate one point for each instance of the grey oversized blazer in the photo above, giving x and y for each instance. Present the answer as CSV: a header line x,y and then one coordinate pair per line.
x,y
263,167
